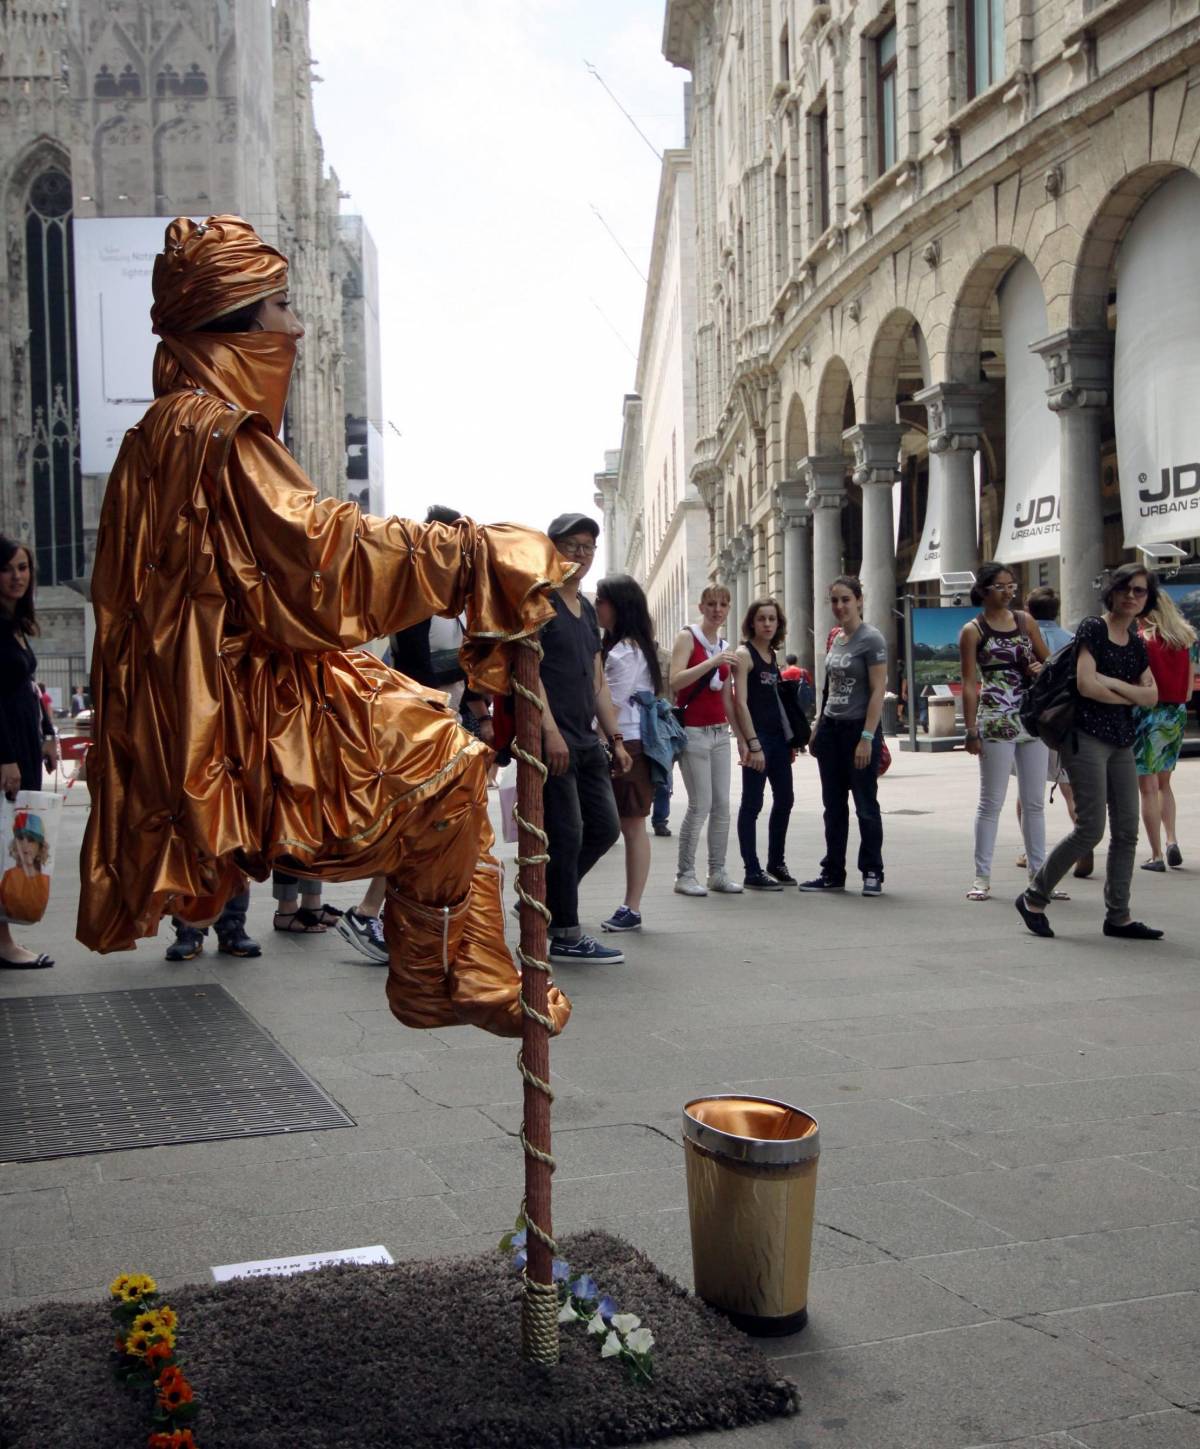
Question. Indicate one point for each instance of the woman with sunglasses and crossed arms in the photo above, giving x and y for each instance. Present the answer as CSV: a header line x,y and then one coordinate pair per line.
x,y
1113,677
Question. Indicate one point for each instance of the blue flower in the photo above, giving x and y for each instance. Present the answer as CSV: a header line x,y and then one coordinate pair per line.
x,y
519,1259
518,1239
606,1308
560,1270
585,1288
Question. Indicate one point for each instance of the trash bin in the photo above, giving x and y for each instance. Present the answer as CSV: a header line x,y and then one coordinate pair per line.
x,y
941,716
752,1183
890,720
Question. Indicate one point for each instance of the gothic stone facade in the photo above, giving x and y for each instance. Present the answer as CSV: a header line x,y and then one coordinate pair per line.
x,y
148,108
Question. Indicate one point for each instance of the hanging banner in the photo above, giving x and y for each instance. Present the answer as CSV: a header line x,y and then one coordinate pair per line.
x,y
1156,369
927,561
1030,527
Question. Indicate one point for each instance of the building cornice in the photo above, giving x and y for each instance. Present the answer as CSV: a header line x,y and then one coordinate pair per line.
x,y
681,24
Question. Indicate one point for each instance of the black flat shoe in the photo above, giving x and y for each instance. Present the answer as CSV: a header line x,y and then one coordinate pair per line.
x,y
39,963
1174,857
1133,931
1035,920
1085,865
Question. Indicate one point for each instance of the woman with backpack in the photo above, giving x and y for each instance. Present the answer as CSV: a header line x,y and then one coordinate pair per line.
x,y
1159,729
764,745
999,651
631,667
701,664
1112,678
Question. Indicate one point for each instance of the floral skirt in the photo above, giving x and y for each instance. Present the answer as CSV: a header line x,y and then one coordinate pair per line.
x,y
1159,738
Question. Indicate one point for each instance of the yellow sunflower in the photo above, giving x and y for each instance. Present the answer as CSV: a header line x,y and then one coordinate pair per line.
x,y
166,1317
118,1285
138,1342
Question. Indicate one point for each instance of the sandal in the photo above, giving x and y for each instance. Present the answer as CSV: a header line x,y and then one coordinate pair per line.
x,y
980,891
39,963
328,915
301,922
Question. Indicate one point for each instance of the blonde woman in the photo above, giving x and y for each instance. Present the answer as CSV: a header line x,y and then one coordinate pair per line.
x,y
1169,639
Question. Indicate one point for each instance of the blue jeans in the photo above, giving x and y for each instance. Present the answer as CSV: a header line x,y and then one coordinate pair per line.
x,y
778,756
837,739
231,921
581,821
661,811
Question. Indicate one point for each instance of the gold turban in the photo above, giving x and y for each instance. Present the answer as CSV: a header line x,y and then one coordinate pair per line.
x,y
208,269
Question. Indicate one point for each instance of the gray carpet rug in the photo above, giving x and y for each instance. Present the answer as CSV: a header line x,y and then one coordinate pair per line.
x,y
421,1354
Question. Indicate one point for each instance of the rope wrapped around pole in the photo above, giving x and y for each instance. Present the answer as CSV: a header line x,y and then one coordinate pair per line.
x,y
539,1309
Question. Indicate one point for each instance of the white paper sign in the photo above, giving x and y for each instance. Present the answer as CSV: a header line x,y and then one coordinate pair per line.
x,y
304,1263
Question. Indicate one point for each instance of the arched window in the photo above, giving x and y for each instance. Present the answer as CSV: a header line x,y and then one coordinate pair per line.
x,y
53,387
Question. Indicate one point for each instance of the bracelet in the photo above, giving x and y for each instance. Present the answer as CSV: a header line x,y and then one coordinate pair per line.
x,y
613,739
867,735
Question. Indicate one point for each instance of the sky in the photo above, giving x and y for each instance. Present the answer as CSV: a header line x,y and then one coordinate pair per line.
x,y
475,144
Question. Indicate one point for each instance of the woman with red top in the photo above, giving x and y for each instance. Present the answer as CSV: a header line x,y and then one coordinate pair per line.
x,y
1169,639
701,682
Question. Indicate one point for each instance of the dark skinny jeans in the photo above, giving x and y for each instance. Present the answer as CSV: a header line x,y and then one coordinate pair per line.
x,y
581,821
778,756
837,739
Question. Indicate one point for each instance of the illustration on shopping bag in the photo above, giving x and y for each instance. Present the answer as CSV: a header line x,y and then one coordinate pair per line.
x,y
25,886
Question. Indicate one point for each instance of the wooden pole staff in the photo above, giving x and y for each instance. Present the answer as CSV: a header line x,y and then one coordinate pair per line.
x,y
539,1310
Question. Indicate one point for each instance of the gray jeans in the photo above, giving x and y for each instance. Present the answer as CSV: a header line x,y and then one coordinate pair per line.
x,y
1102,776
705,766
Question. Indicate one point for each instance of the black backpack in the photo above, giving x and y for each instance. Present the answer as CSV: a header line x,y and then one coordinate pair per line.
x,y
1048,709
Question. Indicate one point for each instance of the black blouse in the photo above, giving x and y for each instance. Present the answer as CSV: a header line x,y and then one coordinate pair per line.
x,y
1112,723
22,719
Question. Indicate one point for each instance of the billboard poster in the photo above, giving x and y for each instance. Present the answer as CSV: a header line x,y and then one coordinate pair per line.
x,y
935,645
114,261
1156,368
1030,527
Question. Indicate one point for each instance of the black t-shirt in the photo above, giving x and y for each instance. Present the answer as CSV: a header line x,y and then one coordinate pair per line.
x,y
762,694
568,669
1112,723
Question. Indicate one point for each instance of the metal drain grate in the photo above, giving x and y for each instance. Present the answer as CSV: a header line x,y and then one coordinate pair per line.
x,y
105,1070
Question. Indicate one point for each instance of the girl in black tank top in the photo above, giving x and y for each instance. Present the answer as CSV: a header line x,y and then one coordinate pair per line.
x,y
762,731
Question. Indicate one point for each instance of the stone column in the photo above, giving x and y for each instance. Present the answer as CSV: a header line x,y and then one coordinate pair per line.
x,y
798,583
876,466
826,494
737,551
1078,362
746,535
955,433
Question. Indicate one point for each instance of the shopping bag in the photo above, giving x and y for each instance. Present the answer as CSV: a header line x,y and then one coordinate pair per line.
x,y
508,802
28,842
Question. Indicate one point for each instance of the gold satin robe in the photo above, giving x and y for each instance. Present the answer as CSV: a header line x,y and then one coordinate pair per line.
x,y
238,727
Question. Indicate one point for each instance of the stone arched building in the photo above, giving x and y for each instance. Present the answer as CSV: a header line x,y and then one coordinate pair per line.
x,y
909,229
149,108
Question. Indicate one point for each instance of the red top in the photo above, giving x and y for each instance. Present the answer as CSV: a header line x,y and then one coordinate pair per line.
x,y
1172,670
703,705
793,671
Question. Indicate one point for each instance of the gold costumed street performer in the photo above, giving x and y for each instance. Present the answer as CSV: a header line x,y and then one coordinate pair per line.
x,y
238,725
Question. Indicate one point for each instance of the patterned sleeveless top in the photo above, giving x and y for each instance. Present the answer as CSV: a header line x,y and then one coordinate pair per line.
x,y
1003,659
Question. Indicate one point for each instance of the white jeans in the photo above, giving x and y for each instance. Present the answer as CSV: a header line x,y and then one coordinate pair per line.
x,y
705,766
995,765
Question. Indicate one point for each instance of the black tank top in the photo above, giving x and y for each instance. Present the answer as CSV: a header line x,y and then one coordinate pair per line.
x,y
762,694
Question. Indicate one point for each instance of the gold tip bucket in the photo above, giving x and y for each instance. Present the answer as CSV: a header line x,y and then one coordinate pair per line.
x,y
752,1183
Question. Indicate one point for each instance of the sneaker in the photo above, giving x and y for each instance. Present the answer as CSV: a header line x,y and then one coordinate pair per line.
x,y
822,883
759,880
1035,920
662,828
585,949
237,943
365,934
1174,857
781,873
187,945
1157,865
688,885
1085,865
872,885
623,919
1133,931
720,882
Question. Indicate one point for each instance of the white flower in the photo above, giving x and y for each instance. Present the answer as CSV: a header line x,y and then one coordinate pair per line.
x,y
611,1346
566,1314
626,1322
641,1340
596,1324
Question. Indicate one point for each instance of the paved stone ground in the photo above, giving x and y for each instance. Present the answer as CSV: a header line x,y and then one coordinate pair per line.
x,y
1008,1239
